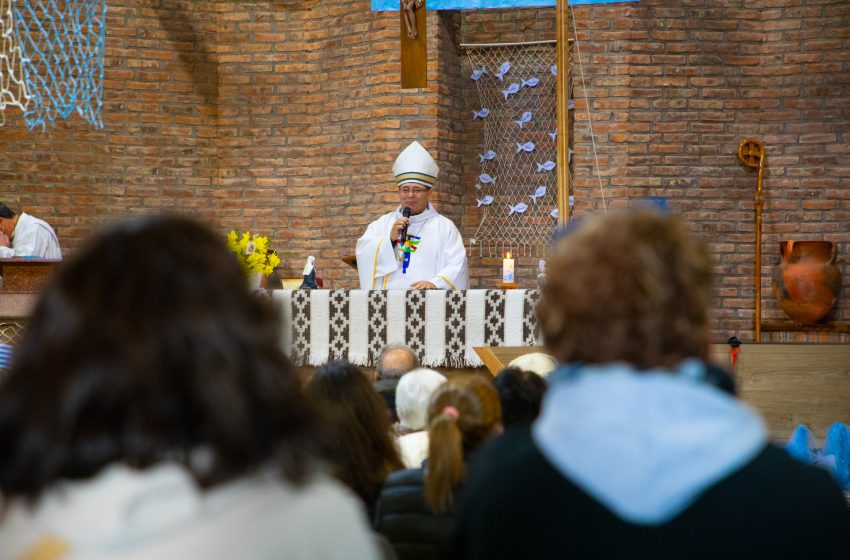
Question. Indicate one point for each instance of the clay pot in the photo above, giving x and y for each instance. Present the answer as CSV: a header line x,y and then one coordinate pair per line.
x,y
807,283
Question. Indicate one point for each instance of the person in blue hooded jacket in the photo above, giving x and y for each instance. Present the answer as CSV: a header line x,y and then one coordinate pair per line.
x,y
636,452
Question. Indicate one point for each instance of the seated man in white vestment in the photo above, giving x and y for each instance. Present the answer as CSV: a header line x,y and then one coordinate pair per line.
x,y
22,235
432,255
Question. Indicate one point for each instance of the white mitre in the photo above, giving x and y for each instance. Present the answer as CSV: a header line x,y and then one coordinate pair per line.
x,y
415,165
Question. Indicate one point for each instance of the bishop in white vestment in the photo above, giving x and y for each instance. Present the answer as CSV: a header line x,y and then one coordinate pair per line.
x,y
432,256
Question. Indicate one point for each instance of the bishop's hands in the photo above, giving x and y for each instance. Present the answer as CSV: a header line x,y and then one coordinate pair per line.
x,y
400,223
422,285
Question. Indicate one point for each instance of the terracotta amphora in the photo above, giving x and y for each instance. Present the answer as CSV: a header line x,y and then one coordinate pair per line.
x,y
807,283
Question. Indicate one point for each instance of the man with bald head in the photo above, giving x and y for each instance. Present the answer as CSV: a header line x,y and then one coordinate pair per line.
x,y
395,360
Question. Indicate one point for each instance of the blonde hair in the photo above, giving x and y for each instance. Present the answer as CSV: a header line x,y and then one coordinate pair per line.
x,y
463,414
632,287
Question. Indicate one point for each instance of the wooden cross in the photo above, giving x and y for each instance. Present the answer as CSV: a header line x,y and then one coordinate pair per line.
x,y
414,53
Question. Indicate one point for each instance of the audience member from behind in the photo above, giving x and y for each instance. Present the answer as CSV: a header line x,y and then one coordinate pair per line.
x,y
395,360
636,453
150,413
418,508
521,393
362,448
413,396
22,235
535,362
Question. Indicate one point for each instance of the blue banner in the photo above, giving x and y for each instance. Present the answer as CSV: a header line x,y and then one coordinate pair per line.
x,y
389,5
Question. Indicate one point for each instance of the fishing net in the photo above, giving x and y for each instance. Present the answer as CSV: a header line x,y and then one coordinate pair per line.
x,y
517,187
61,46
13,88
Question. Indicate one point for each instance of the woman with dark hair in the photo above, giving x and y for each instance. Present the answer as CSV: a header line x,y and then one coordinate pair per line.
x,y
362,448
418,508
150,413
638,452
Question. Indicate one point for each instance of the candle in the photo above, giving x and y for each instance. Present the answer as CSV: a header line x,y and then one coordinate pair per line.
x,y
508,269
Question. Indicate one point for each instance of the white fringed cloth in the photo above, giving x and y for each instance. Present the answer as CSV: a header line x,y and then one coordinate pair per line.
x,y
442,327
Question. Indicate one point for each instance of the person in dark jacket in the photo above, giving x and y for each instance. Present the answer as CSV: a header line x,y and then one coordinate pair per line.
x,y
639,451
418,509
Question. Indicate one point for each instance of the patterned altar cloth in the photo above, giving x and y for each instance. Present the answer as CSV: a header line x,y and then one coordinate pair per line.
x,y
442,327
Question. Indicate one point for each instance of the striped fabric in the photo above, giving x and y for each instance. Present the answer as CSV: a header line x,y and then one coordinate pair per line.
x,y
5,356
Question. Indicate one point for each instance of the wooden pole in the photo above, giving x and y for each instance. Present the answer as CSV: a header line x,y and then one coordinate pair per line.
x,y
562,81
751,153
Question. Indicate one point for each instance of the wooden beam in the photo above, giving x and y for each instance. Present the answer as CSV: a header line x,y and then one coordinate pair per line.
x,y
562,100
414,52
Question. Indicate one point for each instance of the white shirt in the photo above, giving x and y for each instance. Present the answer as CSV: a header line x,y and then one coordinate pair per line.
x,y
439,256
32,238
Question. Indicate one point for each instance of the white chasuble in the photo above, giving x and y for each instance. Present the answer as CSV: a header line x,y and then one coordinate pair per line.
x,y
434,252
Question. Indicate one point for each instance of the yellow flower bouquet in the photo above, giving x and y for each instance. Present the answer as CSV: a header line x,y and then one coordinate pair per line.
x,y
252,252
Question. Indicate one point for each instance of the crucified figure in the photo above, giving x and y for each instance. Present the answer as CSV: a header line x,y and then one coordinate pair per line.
x,y
408,7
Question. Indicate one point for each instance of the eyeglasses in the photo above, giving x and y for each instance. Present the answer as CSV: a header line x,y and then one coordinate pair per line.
x,y
415,190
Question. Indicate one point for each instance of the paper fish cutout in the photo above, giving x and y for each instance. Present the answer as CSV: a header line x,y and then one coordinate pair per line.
x,y
528,147
549,165
518,209
486,179
554,214
486,156
571,104
553,135
486,201
478,72
503,69
554,69
569,154
512,89
531,82
480,114
541,190
572,201
525,118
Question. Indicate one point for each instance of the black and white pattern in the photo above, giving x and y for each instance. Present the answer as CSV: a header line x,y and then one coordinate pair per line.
x,y
301,326
494,318
415,324
530,326
377,324
456,328
338,325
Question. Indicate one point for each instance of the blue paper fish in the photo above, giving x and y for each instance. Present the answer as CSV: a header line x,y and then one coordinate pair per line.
x,y
503,69
486,179
486,201
553,135
549,165
478,72
571,104
486,156
572,201
554,214
518,209
541,190
554,69
531,82
527,147
480,114
512,89
525,118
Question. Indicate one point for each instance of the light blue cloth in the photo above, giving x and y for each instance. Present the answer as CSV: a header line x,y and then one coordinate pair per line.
x,y
393,5
646,444
837,445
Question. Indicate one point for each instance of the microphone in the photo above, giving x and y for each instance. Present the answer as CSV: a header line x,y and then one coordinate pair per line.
x,y
406,214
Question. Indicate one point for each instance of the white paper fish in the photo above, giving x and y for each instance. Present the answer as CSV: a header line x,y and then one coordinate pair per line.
x,y
525,118
503,69
554,214
572,201
541,190
554,69
480,114
486,156
549,165
553,135
528,147
571,104
478,72
486,179
486,201
512,89
531,82
518,209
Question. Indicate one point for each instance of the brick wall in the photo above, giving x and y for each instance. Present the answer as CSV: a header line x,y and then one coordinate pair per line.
x,y
285,118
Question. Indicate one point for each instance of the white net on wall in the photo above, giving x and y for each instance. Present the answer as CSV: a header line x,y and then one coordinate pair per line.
x,y
517,185
13,88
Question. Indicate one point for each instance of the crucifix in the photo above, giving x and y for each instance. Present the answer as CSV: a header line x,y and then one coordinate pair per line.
x,y
414,54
